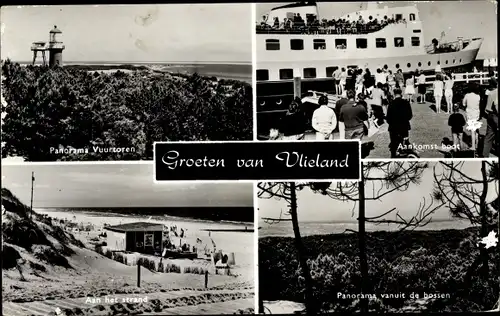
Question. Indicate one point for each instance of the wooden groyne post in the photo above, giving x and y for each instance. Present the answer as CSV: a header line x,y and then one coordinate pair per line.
x,y
138,274
297,87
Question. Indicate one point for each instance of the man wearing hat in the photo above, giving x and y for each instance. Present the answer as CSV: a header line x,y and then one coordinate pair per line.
x,y
492,119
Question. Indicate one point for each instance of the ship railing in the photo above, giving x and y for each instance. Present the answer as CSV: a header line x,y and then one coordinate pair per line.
x,y
482,77
323,30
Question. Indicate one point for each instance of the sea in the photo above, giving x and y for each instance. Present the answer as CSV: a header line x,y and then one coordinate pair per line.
x,y
222,70
284,228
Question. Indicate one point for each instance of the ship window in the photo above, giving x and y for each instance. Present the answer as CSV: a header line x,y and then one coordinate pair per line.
x,y
429,63
460,60
397,66
412,16
408,65
399,17
415,41
454,61
330,71
361,43
272,44
340,43
399,42
370,18
286,74
417,31
309,72
419,64
296,44
446,62
319,44
380,43
439,62
262,74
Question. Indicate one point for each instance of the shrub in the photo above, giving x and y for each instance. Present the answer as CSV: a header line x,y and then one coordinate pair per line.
x,y
172,268
9,257
108,254
417,262
194,270
82,109
49,255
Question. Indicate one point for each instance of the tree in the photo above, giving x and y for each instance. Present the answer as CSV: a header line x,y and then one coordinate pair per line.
x,y
76,107
379,179
288,192
466,198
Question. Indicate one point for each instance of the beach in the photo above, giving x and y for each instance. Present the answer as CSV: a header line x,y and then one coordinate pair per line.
x,y
239,243
92,284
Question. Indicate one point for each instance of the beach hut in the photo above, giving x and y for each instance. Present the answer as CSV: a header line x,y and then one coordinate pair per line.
x,y
139,237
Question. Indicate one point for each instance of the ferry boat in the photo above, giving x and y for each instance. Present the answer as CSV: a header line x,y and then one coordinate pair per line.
x,y
394,40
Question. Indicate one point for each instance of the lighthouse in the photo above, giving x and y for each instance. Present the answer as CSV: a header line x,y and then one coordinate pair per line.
x,y
55,48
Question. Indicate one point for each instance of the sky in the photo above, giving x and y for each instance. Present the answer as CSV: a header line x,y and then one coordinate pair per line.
x,y
115,185
469,19
133,33
318,208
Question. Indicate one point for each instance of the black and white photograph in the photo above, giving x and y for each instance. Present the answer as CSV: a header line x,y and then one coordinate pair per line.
x,y
409,237
92,83
410,79
103,239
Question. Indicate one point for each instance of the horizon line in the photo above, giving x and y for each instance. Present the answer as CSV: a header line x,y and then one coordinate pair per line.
x,y
101,62
125,207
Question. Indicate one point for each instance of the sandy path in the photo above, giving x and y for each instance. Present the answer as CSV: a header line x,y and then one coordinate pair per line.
x,y
176,302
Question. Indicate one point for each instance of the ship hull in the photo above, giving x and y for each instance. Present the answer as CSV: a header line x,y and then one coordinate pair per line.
x,y
273,97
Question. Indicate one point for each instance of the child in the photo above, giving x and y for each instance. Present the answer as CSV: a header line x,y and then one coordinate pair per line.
x,y
457,123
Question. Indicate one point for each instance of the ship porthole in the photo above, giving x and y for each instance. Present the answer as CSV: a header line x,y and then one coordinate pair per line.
x,y
262,103
419,64
408,65
439,62
460,59
429,63
279,102
397,66
446,62
454,61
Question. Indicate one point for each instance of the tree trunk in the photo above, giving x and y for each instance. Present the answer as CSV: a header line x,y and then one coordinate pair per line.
x,y
362,242
309,301
261,305
484,221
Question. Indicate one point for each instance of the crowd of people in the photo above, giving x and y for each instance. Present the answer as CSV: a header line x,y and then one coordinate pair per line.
x,y
368,101
311,25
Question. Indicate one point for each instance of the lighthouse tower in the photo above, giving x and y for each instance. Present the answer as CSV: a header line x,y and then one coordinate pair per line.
x,y
55,48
